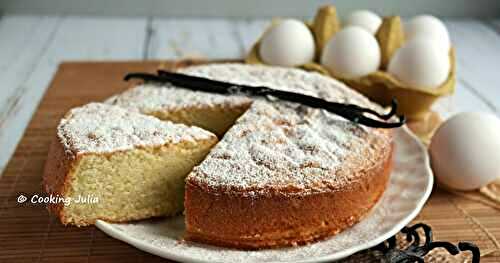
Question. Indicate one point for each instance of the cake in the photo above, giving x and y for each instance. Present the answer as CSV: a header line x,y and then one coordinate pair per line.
x,y
118,165
282,174
213,112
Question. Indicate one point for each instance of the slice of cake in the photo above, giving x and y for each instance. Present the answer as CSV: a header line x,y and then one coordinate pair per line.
x,y
118,165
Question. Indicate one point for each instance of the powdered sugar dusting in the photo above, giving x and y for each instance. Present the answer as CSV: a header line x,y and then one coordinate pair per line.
x,y
148,98
100,128
288,146
275,143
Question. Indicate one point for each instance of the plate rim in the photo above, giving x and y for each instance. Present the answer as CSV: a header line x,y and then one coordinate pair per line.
x,y
110,230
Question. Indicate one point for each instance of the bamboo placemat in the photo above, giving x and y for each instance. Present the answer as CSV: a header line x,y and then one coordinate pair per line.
x,y
29,234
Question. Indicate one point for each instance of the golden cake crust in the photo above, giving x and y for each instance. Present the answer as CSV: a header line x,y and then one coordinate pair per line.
x,y
276,219
58,166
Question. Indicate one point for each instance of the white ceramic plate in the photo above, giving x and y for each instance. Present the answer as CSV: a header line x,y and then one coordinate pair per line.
x,y
410,186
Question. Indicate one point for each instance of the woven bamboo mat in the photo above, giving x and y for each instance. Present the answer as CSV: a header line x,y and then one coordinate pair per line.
x,y
29,234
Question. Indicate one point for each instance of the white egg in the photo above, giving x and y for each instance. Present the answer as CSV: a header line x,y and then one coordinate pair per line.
x,y
465,151
290,43
428,27
365,19
420,64
351,53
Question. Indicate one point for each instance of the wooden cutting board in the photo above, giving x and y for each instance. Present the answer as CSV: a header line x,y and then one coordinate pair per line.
x,y
29,234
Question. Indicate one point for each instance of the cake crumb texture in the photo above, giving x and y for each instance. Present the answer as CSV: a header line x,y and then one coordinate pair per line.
x,y
132,165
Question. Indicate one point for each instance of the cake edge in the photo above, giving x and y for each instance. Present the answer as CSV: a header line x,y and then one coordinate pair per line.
x,y
282,235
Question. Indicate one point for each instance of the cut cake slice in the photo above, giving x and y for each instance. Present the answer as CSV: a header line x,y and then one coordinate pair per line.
x,y
112,164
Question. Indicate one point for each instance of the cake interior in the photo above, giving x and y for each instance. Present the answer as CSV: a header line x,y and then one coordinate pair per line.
x,y
133,184
215,119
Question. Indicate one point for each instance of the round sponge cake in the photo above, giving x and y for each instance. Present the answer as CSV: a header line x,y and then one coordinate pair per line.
x,y
282,174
